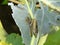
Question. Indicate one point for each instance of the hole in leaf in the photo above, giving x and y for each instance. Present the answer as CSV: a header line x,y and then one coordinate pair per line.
x,y
58,18
37,3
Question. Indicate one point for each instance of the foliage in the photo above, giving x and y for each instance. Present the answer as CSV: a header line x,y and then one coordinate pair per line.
x,y
3,33
4,43
53,38
47,17
15,39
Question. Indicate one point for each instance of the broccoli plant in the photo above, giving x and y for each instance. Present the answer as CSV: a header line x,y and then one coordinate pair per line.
x,y
37,18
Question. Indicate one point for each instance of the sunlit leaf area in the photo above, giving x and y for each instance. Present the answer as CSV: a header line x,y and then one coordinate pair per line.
x,y
29,22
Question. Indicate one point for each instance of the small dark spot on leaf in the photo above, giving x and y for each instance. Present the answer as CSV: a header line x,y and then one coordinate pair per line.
x,y
58,19
49,23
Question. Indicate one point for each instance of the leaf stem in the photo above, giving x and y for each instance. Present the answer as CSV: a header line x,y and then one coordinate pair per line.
x,y
30,12
32,17
32,40
50,5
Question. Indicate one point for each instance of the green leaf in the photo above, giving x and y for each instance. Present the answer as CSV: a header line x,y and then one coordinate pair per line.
x,y
5,2
19,14
46,20
3,33
15,39
53,38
